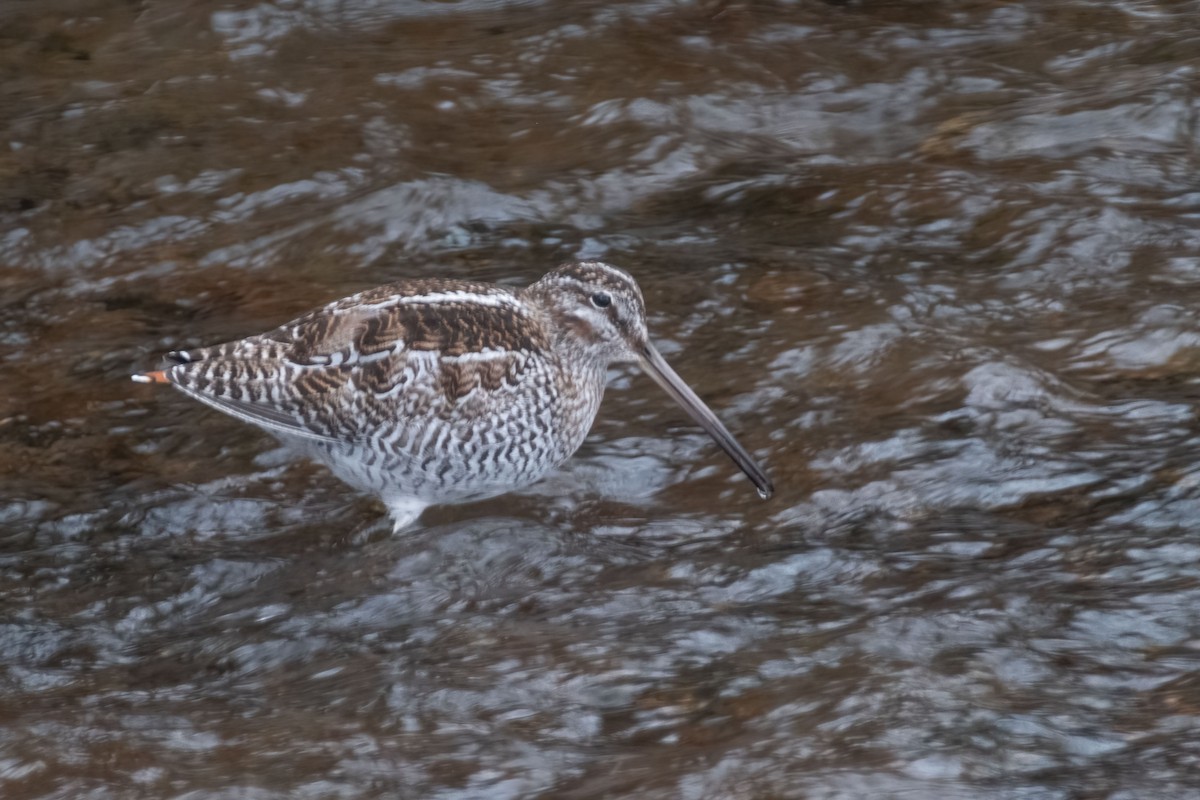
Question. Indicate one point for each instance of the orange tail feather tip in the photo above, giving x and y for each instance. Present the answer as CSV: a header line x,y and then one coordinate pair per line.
x,y
158,376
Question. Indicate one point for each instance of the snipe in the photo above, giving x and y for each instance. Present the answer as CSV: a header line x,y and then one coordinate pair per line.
x,y
440,391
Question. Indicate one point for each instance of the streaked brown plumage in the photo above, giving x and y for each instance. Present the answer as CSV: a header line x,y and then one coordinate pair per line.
x,y
437,391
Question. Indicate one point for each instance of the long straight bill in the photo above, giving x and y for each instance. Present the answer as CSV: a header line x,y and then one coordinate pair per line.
x,y
665,377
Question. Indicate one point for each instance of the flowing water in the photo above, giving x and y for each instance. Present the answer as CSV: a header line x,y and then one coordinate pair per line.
x,y
935,263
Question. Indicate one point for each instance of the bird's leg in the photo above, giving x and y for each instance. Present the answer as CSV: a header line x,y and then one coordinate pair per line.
x,y
404,511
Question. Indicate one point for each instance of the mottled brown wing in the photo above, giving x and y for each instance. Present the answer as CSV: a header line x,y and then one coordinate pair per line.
x,y
337,373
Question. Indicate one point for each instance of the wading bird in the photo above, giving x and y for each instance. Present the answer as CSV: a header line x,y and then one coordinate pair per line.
x,y
440,391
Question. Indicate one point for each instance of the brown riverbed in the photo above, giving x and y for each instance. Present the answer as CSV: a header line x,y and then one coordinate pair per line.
x,y
937,264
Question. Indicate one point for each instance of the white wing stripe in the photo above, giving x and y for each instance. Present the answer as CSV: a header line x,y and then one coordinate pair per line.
x,y
496,300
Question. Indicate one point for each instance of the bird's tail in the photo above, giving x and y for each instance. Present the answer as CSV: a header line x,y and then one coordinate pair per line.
x,y
158,376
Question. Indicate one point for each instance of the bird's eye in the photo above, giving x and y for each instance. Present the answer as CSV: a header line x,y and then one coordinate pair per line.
x,y
601,299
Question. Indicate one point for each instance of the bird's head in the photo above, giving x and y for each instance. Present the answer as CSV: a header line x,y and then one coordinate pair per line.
x,y
598,314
